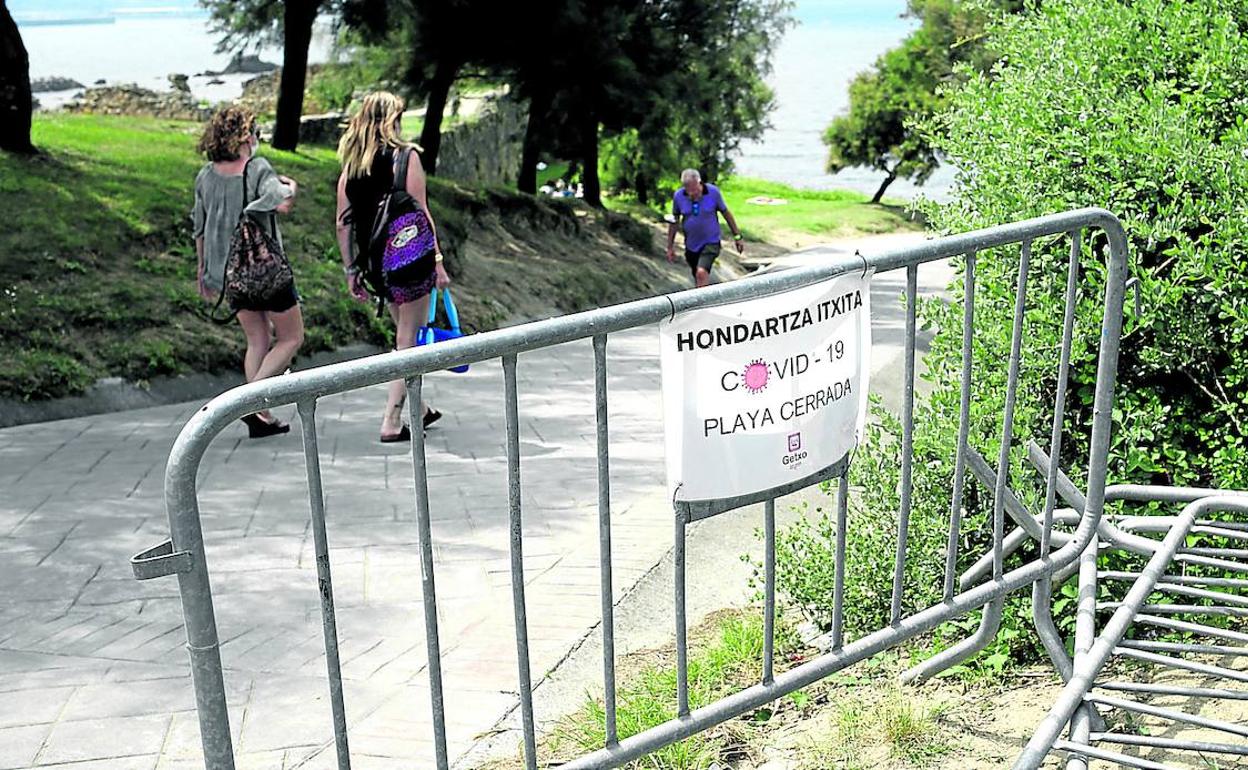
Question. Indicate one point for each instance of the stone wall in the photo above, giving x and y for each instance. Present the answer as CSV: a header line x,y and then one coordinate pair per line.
x,y
486,150
483,151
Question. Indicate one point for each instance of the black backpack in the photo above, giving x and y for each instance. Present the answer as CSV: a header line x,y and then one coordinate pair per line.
x,y
401,246
256,268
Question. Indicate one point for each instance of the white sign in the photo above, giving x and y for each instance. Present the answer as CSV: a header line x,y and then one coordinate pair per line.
x,y
765,392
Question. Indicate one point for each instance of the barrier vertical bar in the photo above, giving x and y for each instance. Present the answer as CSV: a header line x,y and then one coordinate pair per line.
x,y
907,445
678,579
964,426
195,592
1063,378
769,601
1011,397
838,586
316,502
429,598
517,559
1042,591
604,538
202,645
1085,635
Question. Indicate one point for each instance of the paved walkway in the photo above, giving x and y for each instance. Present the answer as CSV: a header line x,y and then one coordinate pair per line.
x,y
93,673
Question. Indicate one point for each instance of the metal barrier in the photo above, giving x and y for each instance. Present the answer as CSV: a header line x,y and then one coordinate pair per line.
x,y
1212,567
184,554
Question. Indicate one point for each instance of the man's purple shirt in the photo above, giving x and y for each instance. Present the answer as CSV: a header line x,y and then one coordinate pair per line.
x,y
702,228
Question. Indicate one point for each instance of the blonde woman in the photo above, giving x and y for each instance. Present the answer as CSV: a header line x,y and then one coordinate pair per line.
x,y
232,183
371,152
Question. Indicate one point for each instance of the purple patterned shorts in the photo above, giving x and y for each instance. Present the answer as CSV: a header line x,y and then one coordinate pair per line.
x,y
401,295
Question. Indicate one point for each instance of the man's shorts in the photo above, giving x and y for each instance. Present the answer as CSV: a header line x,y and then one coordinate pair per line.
x,y
703,258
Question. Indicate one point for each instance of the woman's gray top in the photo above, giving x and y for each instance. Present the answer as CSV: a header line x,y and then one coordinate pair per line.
x,y
219,204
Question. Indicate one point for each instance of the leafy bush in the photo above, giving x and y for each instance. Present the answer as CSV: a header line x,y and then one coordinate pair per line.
x,y
1149,122
36,374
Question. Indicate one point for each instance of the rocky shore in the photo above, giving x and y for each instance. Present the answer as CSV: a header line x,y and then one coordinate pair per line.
x,y
131,99
43,85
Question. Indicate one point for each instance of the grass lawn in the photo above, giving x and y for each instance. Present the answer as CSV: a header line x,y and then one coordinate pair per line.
x,y
831,213
803,217
97,263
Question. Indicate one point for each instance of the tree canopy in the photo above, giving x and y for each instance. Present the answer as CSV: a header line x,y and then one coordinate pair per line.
x,y
707,92
1150,123
665,83
903,89
242,22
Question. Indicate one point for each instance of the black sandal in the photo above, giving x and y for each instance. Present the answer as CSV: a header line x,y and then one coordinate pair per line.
x,y
432,416
403,435
258,427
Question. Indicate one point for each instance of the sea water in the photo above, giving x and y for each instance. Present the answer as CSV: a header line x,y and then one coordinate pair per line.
x,y
133,41
812,69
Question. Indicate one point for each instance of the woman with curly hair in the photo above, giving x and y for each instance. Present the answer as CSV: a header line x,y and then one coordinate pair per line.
x,y
371,152
232,183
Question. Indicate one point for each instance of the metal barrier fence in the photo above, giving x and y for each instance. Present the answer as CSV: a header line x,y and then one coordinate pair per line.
x,y
1208,576
184,556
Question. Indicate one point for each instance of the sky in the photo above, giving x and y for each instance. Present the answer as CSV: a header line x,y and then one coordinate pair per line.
x,y
857,12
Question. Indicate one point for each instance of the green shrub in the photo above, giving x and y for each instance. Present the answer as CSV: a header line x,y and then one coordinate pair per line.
x,y
1149,122
35,374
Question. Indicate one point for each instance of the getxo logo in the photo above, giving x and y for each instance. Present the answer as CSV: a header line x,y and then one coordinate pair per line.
x,y
796,454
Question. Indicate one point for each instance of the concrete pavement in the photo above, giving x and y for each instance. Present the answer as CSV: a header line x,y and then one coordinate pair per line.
x,y
93,673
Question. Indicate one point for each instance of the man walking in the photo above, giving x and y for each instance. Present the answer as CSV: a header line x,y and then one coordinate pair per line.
x,y
695,209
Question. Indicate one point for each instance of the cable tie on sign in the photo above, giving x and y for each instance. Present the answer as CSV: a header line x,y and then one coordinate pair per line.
x,y
858,254
673,304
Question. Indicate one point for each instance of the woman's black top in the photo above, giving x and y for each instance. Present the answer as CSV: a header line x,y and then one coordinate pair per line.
x,y
364,194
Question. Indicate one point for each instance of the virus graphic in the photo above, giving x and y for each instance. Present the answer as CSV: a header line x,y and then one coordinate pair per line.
x,y
754,377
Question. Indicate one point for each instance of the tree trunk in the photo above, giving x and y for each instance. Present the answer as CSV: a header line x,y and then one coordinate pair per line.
x,y
539,107
879,194
15,96
298,18
641,185
431,134
589,158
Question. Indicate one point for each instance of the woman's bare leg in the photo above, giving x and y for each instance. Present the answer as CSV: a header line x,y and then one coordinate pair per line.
x,y
255,325
288,330
407,320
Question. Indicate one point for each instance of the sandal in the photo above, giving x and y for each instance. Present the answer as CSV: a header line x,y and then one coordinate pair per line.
x,y
394,438
258,427
431,416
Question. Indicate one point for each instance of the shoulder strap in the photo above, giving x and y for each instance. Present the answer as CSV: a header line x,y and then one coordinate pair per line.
x,y
241,213
400,170
246,166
